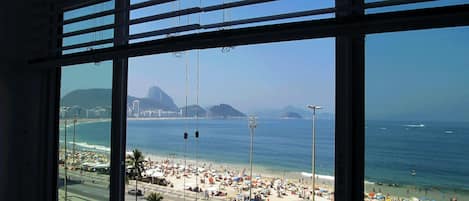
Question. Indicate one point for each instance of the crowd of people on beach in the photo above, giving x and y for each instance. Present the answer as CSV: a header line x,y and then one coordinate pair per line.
x,y
228,182
222,181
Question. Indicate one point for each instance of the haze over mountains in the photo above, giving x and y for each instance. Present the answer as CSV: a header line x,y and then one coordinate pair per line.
x,y
158,103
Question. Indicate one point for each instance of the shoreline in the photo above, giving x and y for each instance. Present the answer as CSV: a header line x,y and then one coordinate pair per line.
x,y
323,182
268,171
257,169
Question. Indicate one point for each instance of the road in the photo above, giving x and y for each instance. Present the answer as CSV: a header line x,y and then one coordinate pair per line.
x,y
93,187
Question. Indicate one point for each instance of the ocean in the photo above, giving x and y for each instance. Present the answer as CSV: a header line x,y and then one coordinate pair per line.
x,y
436,151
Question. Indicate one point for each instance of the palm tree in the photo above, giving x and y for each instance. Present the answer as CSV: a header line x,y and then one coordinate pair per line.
x,y
155,197
136,161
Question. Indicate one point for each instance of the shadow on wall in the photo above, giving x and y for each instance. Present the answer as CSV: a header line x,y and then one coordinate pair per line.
x,y
4,130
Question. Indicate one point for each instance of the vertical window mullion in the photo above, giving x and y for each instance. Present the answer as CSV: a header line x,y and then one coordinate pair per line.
x,y
349,153
119,102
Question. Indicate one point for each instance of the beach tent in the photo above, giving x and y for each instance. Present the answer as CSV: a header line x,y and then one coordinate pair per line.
x,y
157,175
190,185
212,188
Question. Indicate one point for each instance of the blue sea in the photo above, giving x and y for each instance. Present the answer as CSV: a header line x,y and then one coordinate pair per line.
x,y
438,152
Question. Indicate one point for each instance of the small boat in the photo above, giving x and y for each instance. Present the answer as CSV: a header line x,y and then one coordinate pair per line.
x,y
413,173
415,125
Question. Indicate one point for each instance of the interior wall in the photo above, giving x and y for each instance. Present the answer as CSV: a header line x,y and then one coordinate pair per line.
x,y
24,103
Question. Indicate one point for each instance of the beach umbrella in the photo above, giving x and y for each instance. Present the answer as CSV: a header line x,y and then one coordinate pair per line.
x,y
211,180
379,197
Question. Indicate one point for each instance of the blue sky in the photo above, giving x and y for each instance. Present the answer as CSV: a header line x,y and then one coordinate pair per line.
x,y
268,76
420,75
417,75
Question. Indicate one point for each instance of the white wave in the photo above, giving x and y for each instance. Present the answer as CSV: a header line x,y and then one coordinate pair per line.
x,y
323,177
449,132
415,125
92,146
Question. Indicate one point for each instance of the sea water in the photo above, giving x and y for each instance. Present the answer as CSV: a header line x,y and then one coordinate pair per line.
x,y
438,152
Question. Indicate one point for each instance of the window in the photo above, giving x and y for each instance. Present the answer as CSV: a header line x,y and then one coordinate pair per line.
x,y
84,31
216,92
234,83
417,115
85,132
162,19
410,5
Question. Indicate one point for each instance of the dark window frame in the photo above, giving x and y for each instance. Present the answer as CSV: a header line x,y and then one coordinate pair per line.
x,y
349,28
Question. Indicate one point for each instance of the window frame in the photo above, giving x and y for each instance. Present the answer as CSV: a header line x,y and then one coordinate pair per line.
x,y
349,28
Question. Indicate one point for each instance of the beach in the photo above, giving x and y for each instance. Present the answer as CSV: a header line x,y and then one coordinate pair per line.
x,y
231,182
282,151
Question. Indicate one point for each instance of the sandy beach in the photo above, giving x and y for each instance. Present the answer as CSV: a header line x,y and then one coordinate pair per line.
x,y
222,181
231,182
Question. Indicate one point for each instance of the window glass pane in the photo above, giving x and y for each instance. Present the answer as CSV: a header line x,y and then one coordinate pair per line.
x,y
429,4
86,24
220,16
82,38
417,117
275,82
89,37
85,131
87,48
108,5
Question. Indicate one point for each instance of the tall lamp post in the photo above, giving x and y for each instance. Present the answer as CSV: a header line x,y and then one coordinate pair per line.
x,y
252,126
74,132
313,150
65,152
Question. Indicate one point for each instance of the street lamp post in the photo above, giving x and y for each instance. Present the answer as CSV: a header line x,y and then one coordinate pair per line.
x,y
252,126
196,165
313,150
65,152
65,157
74,131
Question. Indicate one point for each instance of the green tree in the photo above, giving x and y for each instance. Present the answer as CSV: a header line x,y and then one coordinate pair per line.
x,y
155,197
136,161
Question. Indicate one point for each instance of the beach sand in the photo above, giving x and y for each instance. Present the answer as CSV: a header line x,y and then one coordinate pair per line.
x,y
291,184
407,191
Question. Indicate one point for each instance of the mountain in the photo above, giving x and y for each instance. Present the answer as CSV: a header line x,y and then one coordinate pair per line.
x,y
225,111
151,104
193,110
88,98
158,99
304,113
291,115
92,98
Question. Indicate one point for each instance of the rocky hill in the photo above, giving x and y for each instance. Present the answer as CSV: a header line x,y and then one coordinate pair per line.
x,y
224,111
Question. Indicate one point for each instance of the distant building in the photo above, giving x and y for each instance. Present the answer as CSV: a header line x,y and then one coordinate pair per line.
x,y
136,108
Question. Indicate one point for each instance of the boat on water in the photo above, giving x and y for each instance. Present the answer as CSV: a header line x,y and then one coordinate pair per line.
x,y
415,125
413,173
